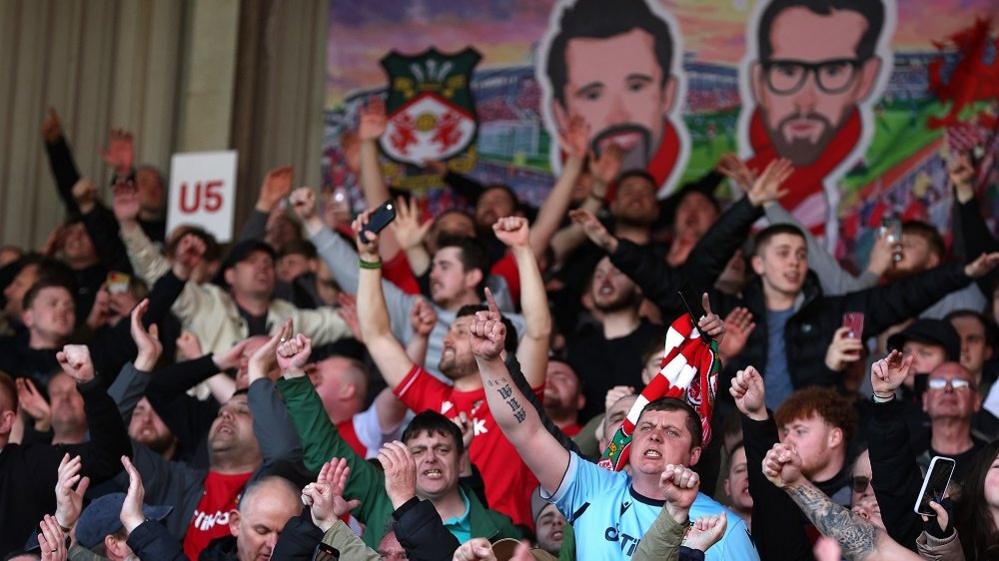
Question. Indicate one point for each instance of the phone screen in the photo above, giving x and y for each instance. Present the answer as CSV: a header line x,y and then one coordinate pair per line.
x,y
935,484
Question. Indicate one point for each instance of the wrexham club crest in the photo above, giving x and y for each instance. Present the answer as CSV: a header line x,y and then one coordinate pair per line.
x,y
431,113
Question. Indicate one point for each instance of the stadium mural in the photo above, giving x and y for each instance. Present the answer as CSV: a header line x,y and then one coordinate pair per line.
x,y
866,100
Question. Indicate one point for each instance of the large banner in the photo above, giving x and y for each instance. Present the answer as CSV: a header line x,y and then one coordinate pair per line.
x,y
866,97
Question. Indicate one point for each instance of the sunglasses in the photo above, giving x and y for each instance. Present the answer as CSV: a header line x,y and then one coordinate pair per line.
x,y
860,483
941,383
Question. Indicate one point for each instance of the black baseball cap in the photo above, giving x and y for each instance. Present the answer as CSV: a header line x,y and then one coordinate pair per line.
x,y
931,332
242,250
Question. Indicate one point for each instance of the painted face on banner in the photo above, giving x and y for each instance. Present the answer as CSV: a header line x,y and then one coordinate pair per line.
x,y
812,80
616,85
617,69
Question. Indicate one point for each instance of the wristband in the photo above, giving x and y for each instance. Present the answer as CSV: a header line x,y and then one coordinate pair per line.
x,y
882,399
370,264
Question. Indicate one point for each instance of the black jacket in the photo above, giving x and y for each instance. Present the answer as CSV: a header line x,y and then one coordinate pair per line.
x,y
298,539
895,475
816,318
220,549
151,540
28,473
421,532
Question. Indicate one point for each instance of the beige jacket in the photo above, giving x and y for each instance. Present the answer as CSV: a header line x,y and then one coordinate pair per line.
x,y
209,311
933,549
350,546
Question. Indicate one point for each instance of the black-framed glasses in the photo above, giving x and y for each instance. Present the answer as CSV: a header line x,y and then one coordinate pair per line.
x,y
785,76
860,483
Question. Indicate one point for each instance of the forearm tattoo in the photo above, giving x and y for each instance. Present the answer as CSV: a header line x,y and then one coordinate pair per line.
x,y
506,394
856,536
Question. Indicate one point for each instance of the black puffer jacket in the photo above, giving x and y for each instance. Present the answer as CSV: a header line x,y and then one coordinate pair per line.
x,y
817,317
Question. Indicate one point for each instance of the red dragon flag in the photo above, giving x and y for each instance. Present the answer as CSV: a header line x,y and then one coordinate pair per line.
x,y
688,371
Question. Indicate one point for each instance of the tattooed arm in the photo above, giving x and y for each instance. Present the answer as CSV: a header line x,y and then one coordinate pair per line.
x,y
859,539
520,422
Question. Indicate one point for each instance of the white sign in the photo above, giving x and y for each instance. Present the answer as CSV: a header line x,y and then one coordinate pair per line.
x,y
203,192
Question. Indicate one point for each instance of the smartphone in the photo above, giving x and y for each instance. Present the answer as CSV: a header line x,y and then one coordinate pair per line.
x,y
855,322
381,217
117,283
934,484
325,552
891,230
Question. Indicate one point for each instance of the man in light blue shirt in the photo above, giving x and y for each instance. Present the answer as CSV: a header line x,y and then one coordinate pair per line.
x,y
609,511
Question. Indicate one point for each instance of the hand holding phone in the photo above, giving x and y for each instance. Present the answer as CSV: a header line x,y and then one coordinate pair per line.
x,y
380,218
891,230
854,321
934,484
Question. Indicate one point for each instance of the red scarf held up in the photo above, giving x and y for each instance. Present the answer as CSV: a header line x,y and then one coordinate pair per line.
x,y
805,180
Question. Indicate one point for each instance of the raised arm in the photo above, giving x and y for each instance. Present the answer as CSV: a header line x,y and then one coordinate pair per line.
x,y
371,127
276,186
372,313
60,158
971,234
553,210
130,385
779,533
340,257
895,475
533,349
410,232
271,423
108,436
520,423
322,442
859,539
714,250
603,171
908,297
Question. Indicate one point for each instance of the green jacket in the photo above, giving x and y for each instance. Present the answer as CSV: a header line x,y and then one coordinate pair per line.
x,y
321,442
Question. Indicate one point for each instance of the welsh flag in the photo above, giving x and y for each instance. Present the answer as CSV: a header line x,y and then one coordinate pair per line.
x,y
688,371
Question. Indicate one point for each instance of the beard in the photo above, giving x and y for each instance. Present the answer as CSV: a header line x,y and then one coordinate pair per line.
x,y
636,157
801,151
624,301
158,443
455,369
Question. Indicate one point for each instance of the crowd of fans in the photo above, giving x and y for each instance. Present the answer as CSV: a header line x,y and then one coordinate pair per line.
x,y
443,388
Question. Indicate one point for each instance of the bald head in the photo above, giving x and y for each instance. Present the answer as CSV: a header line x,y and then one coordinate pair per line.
x,y
951,370
264,509
268,488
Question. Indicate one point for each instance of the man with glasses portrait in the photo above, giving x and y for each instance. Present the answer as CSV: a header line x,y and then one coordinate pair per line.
x,y
950,401
815,73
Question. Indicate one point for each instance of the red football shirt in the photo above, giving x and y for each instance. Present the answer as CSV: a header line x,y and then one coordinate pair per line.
x,y
211,517
508,480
